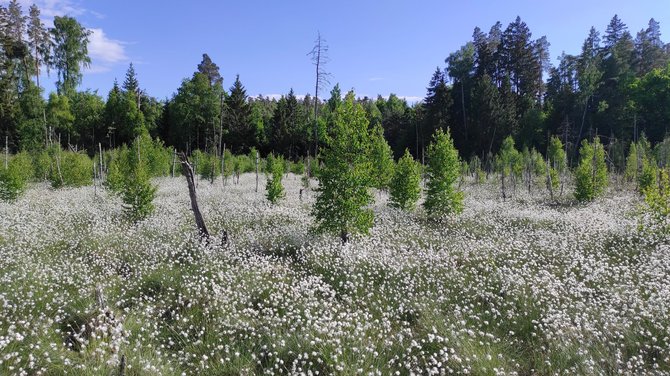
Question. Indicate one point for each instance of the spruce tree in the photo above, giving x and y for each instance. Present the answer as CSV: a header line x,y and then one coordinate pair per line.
x,y
343,194
137,192
237,114
405,186
442,172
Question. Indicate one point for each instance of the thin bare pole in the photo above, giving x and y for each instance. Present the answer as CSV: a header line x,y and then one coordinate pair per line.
x,y
256,171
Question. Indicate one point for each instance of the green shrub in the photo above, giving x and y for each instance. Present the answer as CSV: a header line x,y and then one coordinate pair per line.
x,y
211,167
298,167
14,179
138,194
647,177
158,157
591,173
228,164
274,188
442,171
405,186
118,167
71,170
657,196
42,165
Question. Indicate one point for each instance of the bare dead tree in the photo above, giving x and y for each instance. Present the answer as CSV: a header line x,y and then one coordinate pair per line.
x,y
319,56
199,221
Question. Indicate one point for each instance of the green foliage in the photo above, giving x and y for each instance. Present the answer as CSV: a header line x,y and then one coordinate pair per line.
x,y
70,52
228,164
42,165
138,194
193,111
591,173
405,188
13,180
381,158
557,162
640,165
211,167
632,163
70,169
118,168
442,172
510,161
274,188
59,113
556,155
662,152
343,194
657,196
298,167
159,157
129,175
648,175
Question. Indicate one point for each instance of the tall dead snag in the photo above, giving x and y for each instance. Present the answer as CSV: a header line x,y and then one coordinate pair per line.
x,y
319,56
199,221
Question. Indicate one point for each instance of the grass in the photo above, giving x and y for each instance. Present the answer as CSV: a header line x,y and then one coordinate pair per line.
x,y
516,286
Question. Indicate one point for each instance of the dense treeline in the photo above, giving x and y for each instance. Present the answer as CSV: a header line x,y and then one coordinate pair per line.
x,y
499,84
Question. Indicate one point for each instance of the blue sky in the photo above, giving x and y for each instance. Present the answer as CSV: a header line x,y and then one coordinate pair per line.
x,y
376,47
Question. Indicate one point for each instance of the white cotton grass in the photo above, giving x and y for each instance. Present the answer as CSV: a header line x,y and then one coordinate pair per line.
x,y
515,287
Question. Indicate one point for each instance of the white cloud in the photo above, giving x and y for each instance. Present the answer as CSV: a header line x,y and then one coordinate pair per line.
x,y
278,96
372,79
51,8
410,99
104,52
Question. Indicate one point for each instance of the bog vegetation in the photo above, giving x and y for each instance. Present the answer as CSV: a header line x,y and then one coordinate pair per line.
x,y
509,223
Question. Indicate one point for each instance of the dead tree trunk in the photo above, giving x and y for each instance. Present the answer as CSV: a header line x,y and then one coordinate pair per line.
x,y
199,221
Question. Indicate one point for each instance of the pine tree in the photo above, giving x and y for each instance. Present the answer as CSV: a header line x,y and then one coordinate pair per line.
x,y
591,173
343,194
39,42
211,70
442,173
405,188
381,158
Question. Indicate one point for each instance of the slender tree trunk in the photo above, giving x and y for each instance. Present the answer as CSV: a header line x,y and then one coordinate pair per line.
x,y
550,185
465,125
256,171
174,159
223,166
102,165
199,221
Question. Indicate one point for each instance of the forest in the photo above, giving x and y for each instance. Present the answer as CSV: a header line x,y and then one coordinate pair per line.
x,y
501,83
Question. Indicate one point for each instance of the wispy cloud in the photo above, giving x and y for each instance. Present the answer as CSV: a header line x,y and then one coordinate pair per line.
x,y
278,96
104,52
372,79
51,8
410,99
